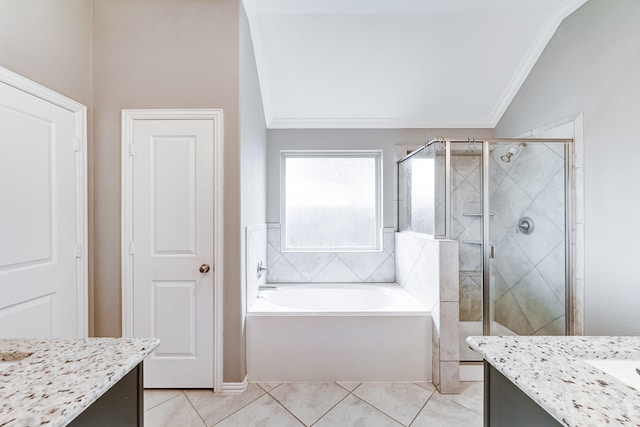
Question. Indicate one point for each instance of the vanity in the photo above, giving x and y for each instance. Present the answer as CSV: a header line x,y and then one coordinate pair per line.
x,y
560,381
76,382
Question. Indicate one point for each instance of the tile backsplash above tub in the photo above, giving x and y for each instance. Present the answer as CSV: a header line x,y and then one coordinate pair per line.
x,y
330,267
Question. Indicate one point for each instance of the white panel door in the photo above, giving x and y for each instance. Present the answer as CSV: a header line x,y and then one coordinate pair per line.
x,y
38,294
173,255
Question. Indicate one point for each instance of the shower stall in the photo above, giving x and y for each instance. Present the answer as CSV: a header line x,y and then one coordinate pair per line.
x,y
507,204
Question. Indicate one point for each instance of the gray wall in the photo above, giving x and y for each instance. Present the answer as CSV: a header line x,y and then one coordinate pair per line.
x,y
111,55
50,43
253,133
591,65
253,157
350,139
164,54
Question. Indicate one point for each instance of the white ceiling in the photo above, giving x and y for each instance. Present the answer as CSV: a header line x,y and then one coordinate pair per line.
x,y
396,63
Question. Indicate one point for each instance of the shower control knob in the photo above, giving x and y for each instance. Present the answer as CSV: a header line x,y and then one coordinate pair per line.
x,y
525,225
204,268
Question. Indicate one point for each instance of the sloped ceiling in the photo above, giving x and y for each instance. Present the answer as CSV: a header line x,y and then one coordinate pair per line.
x,y
396,63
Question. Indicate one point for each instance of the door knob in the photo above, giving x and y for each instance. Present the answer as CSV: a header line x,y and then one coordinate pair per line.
x,y
204,268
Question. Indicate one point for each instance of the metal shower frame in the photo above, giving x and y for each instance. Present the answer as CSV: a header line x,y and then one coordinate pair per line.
x,y
488,250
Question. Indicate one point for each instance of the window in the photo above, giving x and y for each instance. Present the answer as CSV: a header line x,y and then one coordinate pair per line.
x,y
331,201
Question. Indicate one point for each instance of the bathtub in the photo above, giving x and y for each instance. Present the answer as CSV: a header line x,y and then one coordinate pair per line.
x,y
338,332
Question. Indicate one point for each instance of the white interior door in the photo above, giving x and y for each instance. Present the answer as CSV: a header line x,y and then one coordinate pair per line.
x,y
173,256
38,218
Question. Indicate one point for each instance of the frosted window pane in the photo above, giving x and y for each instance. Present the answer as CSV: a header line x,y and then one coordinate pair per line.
x,y
330,202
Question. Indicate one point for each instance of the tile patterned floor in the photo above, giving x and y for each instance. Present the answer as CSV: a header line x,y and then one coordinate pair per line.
x,y
340,404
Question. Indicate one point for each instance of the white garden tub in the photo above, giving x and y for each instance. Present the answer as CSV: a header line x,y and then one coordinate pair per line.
x,y
338,332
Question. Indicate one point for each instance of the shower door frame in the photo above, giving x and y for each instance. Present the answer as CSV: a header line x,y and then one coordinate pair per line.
x,y
487,247
487,252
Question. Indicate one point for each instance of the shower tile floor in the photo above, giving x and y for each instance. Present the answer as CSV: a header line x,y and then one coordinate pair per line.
x,y
340,404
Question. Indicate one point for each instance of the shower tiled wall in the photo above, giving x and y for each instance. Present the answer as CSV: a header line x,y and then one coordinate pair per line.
x,y
529,269
330,267
466,228
528,272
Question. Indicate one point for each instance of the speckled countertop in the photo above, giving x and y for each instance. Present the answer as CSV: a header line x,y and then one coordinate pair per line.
x,y
552,372
60,378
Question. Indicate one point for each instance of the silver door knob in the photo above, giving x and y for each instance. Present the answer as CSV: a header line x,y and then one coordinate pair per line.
x,y
204,268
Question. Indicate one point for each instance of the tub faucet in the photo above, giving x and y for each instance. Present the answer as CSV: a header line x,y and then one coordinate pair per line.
x,y
262,269
267,288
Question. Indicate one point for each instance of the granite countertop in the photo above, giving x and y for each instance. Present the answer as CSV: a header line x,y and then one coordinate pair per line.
x,y
54,380
552,371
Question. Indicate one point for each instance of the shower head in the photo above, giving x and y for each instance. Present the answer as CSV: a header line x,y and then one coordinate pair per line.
x,y
512,152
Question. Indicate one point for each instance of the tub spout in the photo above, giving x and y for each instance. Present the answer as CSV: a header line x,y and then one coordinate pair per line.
x,y
267,288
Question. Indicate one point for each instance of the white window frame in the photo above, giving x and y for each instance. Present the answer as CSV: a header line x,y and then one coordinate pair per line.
x,y
375,154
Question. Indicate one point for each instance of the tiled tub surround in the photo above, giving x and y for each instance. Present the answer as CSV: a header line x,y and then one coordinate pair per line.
x,y
552,371
528,273
256,251
330,267
60,378
338,332
428,269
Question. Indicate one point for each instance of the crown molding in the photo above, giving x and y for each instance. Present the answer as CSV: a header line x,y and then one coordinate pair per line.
x,y
377,123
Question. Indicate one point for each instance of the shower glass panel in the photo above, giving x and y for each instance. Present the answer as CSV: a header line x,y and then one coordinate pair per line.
x,y
421,191
528,272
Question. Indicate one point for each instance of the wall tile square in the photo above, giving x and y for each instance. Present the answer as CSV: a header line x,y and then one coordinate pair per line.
x,y
551,199
449,336
511,261
336,272
385,273
448,267
534,167
283,272
449,378
509,314
509,202
545,237
301,267
537,301
255,250
309,264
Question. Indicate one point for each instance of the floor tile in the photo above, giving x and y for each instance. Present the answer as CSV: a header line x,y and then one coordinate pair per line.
x,y
176,412
268,386
441,412
154,397
401,401
426,385
471,396
264,412
309,401
349,385
354,412
213,407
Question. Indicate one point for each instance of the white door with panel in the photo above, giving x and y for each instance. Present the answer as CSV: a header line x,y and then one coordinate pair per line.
x,y
172,248
41,179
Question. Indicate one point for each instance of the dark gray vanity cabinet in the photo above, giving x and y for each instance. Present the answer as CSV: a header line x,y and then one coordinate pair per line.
x,y
505,405
121,406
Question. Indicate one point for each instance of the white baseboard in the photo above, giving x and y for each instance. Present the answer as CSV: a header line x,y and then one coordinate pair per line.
x,y
471,373
235,388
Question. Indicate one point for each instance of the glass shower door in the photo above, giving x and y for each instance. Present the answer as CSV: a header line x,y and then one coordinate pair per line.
x,y
527,263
